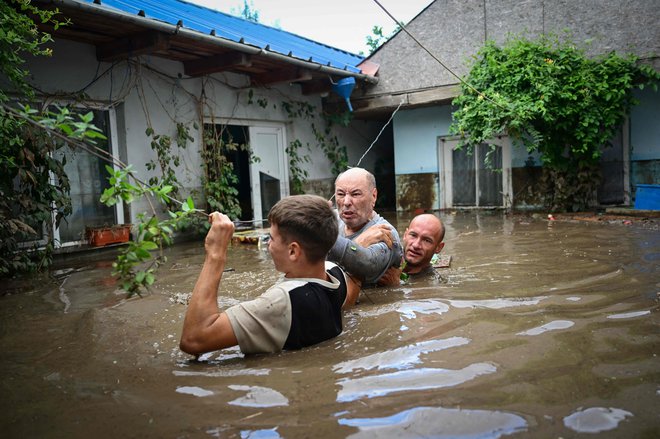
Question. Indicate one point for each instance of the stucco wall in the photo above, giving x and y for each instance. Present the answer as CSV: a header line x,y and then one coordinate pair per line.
x,y
453,30
154,92
416,135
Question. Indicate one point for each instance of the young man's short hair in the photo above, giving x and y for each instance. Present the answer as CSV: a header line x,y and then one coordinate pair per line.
x,y
308,220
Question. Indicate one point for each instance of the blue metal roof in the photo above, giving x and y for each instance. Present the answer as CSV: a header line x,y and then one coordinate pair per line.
x,y
204,20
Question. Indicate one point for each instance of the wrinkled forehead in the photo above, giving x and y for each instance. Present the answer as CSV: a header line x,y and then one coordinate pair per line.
x,y
352,181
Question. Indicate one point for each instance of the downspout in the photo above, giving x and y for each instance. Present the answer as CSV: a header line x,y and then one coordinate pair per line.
x,y
198,36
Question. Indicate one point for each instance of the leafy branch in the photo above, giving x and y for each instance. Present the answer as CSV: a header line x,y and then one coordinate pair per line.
x,y
135,264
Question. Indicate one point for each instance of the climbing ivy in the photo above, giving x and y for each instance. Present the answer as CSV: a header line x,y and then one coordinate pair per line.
x,y
552,99
219,181
34,188
326,140
168,159
298,175
33,184
329,144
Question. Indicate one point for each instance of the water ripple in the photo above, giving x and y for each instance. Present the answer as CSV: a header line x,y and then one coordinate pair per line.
x,y
552,326
628,315
399,358
222,373
496,303
413,379
595,419
439,422
258,396
192,390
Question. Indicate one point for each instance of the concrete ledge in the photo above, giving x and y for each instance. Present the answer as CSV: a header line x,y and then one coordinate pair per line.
x,y
629,211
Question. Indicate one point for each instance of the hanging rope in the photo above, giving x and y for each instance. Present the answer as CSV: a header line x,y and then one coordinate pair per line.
x,y
378,136
461,80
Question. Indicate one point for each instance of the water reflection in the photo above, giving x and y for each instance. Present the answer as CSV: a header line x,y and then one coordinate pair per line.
x,y
409,380
399,358
257,396
496,303
629,315
438,422
193,390
595,419
548,331
552,326
260,434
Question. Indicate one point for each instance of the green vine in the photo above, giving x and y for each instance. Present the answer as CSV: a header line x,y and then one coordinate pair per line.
x,y
326,140
29,196
220,182
298,175
329,144
552,99
167,160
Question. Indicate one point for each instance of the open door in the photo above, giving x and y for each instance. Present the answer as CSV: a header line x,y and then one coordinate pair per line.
x,y
269,175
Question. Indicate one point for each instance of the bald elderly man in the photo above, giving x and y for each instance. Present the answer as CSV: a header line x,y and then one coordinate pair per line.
x,y
355,195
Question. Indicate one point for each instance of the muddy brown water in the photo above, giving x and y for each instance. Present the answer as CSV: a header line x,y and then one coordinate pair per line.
x,y
537,329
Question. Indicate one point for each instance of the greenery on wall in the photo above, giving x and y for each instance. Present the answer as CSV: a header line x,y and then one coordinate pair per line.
x,y
28,195
326,139
168,159
550,98
220,181
34,187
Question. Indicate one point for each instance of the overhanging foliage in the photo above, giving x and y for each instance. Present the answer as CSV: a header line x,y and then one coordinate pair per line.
x,y
552,99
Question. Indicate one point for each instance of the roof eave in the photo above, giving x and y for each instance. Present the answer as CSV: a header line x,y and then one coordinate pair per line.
x,y
209,39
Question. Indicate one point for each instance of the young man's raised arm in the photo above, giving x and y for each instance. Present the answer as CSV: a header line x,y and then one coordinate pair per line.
x,y
205,327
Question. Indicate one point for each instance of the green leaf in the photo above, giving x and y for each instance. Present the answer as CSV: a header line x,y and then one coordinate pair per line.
x,y
149,245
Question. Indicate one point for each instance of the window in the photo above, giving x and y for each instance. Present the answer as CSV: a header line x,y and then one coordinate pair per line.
x,y
466,178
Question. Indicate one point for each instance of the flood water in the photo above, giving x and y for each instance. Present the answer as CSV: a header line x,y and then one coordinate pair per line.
x,y
537,329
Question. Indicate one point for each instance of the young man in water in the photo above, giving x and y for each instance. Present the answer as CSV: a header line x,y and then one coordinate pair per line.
x,y
304,309
421,241
355,195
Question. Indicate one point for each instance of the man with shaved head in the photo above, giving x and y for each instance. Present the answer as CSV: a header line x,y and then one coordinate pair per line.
x,y
421,241
355,195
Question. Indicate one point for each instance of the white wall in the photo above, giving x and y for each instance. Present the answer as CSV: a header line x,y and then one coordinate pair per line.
x,y
154,92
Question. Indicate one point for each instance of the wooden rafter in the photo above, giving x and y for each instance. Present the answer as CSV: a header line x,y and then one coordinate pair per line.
x,y
317,87
217,63
134,45
280,76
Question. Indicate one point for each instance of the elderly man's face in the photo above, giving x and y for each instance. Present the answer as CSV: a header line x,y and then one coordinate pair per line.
x,y
355,199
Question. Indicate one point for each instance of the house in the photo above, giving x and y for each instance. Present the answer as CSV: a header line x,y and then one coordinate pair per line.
x,y
430,172
169,71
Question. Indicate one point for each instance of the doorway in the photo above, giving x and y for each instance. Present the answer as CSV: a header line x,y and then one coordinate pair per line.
x,y
258,158
268,170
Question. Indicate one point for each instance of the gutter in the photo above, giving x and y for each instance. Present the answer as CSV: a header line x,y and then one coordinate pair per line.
x,y
211,39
